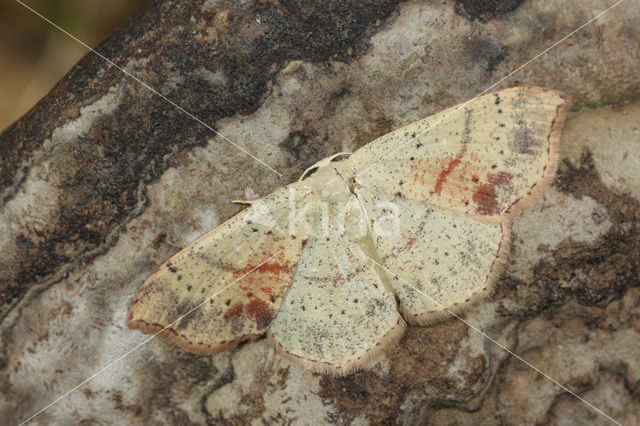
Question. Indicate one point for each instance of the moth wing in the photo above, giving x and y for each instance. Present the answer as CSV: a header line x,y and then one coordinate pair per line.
x,y
227,286
341,311
454,179
448,259
486,158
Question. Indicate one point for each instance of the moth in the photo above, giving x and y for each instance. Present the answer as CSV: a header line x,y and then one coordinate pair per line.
x,y
334,266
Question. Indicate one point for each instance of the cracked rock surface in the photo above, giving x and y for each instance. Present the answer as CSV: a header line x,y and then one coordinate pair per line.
x,y
103,180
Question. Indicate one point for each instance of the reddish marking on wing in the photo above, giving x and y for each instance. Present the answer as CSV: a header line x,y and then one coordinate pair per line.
x,y
485,195
258,310
338,280
261,313
442,176
272,295
420,167
485,198
499,178
234,312
274,268
397,250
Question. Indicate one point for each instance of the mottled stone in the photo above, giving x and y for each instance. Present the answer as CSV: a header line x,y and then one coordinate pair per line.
x,y
103,180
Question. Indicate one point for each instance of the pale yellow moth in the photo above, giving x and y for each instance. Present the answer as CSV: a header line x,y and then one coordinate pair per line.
x,y
309,264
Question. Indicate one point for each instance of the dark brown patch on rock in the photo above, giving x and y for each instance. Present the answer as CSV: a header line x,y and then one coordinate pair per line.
x,y
266,382
420,363
593,274
486,51
596,274
297,144
484,10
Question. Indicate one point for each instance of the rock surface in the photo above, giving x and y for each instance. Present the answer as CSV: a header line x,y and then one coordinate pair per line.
x,y
104,179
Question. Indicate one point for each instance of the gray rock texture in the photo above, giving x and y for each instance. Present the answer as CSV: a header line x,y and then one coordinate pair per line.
x,y
103,180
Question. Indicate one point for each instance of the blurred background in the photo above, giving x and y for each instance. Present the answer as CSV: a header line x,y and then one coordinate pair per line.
x,y
34,55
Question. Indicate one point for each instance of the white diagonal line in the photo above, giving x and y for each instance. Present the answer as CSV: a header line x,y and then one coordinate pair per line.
x,y
458,107
145,85
64,395
548,377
